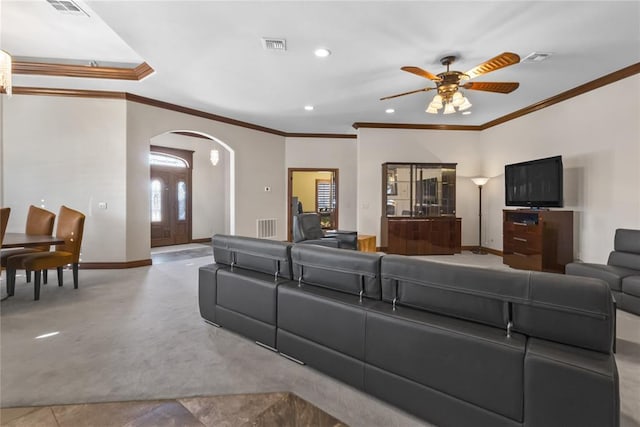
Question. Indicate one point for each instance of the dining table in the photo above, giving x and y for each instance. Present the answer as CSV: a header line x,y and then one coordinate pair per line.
x,y
24,240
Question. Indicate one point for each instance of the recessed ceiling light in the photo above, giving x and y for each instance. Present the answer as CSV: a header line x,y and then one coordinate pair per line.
x,y
389,110
308,107
466,113
322,52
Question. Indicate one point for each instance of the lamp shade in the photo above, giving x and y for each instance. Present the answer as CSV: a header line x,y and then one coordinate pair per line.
x,y
448,108
465,104
480,180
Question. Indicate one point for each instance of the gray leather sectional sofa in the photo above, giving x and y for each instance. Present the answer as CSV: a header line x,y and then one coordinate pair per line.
x,y
454,345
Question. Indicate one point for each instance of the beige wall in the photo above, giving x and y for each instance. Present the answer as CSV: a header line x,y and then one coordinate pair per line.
x,y
598,136
259,163
71,151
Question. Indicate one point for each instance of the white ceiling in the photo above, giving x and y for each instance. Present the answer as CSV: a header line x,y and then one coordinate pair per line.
x,y
208,54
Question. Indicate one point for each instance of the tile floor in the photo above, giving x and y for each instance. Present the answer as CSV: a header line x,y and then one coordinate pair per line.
x,y
261,409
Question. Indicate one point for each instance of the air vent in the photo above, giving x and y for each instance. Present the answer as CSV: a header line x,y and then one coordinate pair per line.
x,y
67,7
536,57
266,228
269,43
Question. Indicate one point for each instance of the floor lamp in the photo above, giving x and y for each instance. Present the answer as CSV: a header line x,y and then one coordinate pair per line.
x,y
480,181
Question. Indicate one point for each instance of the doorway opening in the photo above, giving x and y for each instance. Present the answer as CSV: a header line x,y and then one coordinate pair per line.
x,y
313,190
170,195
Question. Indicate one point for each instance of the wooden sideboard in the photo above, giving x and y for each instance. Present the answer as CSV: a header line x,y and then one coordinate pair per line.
x,y
539,240
422,236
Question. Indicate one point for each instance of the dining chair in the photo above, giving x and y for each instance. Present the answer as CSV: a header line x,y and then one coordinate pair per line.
x,y
70,228
39,221
4,219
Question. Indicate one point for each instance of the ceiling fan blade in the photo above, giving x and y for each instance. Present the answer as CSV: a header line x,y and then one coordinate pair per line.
x,y
503,60
426,89
422,73
500,87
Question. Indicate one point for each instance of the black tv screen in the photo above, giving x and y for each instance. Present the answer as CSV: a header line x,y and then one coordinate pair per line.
x,y
536,183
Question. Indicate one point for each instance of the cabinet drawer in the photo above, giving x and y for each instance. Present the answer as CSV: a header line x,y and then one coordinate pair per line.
x,y
523,262
527,245
521,229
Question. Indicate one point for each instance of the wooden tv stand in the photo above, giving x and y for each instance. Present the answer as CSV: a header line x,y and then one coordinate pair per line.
x,y
539,240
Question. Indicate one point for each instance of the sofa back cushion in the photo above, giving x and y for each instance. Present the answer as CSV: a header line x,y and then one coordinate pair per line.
x,y
627,241
262,255
569,309
626,252
339,269
471,293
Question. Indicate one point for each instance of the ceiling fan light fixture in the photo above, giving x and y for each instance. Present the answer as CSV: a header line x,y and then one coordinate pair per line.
x,y
465,104
431,109
457,99
449,108
437,102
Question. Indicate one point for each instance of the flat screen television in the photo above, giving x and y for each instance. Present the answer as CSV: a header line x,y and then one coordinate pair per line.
x,y
535,184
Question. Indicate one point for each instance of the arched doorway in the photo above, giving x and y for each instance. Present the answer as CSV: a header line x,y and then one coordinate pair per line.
x,y
212,187
171,195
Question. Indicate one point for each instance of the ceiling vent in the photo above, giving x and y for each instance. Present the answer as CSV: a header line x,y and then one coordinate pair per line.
x,y
536,57
67,7
269,43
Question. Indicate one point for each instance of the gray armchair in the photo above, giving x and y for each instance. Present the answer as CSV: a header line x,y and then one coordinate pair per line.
x,y
307,229
621,272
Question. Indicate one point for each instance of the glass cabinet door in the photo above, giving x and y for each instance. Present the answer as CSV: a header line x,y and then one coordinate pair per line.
x,y
418,189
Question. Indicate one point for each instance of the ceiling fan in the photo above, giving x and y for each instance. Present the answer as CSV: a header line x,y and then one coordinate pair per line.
x,y
448,83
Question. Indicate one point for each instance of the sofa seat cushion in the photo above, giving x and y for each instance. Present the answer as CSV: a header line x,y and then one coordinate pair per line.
x,y
248,292
611,274
472,362
631,285
329,318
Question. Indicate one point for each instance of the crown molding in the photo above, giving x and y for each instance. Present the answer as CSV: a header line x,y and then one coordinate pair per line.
x,y
571,93
193,112
359,125
77,93
322,135
138,72
579,90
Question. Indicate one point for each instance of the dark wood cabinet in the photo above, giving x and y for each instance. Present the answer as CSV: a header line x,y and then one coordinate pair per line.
x,y
537,240
423,236
418,209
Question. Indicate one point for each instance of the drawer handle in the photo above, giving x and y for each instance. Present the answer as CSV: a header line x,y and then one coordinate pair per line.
x,y
519,254
520,223
519,239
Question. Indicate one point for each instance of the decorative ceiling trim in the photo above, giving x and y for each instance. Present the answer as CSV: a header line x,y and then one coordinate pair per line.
x,y
595,84
193,112
359,125
579,90
138,72
77,93
322,135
